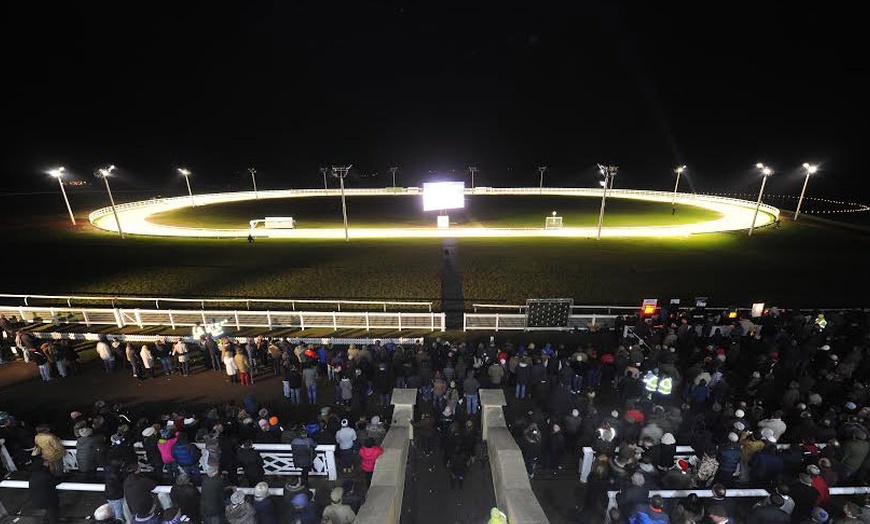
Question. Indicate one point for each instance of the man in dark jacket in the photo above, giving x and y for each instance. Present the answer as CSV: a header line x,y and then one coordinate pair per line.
x,y
303,454
251,462
769,514
137,492
114,475
214,491
43,491
185,497
89,453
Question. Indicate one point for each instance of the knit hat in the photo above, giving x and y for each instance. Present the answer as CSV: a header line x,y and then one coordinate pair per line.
x,y
273,421
263,423
117,438
189,421
683,465
376,420
75,414
739,413
819,515
149,431
261,491
104,513
336,494
668,439
805,479
299,500
575,413
814,470
739,426
237,497
733,437
637,479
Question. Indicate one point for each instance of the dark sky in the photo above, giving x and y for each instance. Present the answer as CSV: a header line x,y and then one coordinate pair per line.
x,y
290,86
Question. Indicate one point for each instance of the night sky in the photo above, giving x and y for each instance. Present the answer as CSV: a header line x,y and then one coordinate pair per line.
x,y
435,86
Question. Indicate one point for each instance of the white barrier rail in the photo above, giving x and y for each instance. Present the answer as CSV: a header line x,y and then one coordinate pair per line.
x,y
277,459
112,300
241,318
517,322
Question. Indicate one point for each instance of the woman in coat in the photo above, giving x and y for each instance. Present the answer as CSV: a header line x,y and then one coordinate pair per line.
x,y
147,359
133,359
230,365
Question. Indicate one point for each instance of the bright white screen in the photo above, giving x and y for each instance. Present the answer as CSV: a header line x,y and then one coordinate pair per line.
x,y
443,195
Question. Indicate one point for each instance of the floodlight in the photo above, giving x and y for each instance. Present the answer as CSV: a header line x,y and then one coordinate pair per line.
x,y
58,174
810,169
439,196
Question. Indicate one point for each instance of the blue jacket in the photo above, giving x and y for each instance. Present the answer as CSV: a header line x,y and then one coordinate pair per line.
x,y
186,454
648,516
729,458
765,466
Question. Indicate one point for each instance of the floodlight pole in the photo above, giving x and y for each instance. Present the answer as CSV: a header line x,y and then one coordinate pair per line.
x,y
341,172
58,173
541,169
810,169
104,173
678,171
393,172
609,172
254,179
186,174
473,170
765,172
323,171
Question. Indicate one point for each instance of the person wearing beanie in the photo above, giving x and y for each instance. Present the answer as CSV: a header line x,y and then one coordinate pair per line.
x,y
264,505
346,438
106,515
633,495
804,495
338,512
652,513
185,497
240,511
819,516
303,509
369,455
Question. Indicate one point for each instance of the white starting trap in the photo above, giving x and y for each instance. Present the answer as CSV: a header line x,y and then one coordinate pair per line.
x,y
553,222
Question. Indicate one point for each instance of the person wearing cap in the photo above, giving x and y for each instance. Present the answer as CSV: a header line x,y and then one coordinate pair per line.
x,y
185,497
251,462
376,430
303,509
729,458
346,438
106,515
634,495
820,485
804,495
818,516
264,505
338,512
770,513
239,510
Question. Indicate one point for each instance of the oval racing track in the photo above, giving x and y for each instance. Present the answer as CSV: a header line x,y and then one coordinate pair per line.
x,y
736,215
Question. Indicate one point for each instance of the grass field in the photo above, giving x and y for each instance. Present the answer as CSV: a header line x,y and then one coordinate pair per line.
x,y
406,211
799,264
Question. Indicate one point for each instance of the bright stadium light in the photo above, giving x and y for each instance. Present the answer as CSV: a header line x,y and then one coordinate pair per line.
x,y
679,171
105,173
440,196
186,174
609,173
765,172
811,170
58,174
323,171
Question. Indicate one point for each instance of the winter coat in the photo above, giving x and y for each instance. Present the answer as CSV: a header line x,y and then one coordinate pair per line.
x,y
369,456
230,364
523,373
266,511
89,452
211,502
303,449
51,447
495,373
241,514
338,514
346,389
147,357
186,454
243,366
165,447
252,463
43,488
137,492
186,498
309,376
729,458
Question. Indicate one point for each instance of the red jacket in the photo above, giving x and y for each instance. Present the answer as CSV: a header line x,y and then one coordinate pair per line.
x,y
824,493
369,456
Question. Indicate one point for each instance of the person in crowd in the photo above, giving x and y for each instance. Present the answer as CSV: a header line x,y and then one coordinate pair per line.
x,y
186,455
264,505
309,378
43,489
369,454
303,448
214,491
90,450
239,510
251,462
51,450
346,438
651,513
105,353
338,512
186,497
147,360
138,492
243,365
181,352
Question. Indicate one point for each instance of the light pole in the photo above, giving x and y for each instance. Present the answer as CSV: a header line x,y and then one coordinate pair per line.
x,y
58,174
765,172
811,170
609,173
472,170
323,171
186,174
393,172
253,173
104,173
541,170
679,171
341,172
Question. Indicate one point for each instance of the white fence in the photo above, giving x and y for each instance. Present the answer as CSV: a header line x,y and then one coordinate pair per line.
x,y
202,302
277,459
517,322
260,319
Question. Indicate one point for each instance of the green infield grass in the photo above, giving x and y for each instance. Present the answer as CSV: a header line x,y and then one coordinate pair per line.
x,y
802,264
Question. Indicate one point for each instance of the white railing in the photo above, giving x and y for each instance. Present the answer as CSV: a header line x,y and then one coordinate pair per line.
x,y
243,318
277,459
112,300
517,322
